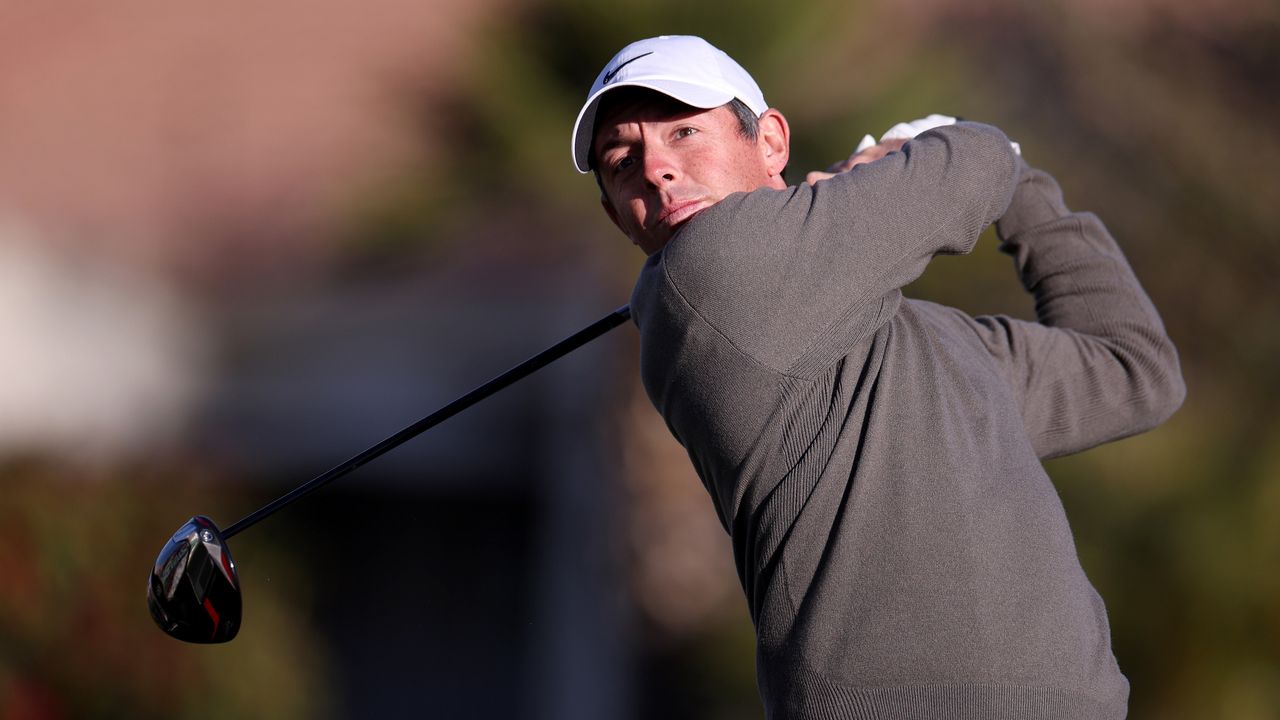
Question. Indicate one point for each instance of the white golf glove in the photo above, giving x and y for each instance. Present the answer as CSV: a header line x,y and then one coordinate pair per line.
x,y
908,130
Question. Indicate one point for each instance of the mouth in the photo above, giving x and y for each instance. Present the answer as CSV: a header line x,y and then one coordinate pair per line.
x,y
676,214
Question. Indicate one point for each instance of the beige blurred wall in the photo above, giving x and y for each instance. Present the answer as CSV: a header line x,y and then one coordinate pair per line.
x,y
150,148
172,133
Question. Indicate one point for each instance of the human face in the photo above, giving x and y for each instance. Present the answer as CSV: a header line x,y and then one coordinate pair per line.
x,y
661,163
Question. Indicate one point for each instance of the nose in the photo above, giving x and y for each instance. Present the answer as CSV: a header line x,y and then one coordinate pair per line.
x,y
660,166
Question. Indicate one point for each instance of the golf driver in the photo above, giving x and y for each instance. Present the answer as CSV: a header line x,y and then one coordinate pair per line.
x,y
194,590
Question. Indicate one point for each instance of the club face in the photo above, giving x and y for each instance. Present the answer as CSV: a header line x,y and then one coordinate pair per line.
x,y
194,591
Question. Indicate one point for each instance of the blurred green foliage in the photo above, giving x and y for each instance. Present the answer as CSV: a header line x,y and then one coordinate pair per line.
x,y
76,639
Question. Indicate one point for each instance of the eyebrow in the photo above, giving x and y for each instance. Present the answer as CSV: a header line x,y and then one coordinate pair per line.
x,y
610,144
598,154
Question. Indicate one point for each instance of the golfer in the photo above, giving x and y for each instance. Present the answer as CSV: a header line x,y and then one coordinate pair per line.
x,y
877,459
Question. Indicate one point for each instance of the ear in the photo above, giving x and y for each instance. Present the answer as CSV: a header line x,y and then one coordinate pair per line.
x,y
774,142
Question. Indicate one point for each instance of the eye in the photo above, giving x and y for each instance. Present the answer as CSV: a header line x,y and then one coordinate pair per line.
x,y
685,131
617,163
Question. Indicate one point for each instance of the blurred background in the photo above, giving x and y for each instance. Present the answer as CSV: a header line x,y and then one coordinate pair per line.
x,y
242,241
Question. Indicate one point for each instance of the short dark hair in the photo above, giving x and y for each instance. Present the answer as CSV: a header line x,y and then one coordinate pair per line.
x,y
748,121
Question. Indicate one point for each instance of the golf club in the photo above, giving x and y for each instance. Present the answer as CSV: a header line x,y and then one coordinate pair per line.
x,y
194,589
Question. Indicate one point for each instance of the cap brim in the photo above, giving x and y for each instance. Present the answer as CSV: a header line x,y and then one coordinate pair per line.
x,y
698,96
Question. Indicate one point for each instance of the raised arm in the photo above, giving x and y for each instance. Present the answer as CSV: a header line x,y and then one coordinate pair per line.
x,y
793,278
1098,365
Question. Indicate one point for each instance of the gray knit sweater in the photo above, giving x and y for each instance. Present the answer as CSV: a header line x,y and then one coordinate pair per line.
x,y
876,459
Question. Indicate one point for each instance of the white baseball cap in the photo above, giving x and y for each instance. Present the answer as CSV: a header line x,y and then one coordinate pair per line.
x,y
684,67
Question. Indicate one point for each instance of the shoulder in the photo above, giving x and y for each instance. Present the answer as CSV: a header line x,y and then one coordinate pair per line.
x,y
742,222
734,246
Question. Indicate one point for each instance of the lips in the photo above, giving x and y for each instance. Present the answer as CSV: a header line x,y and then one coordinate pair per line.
x,y
678,212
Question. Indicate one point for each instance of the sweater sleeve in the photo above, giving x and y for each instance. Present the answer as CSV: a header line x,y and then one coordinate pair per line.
x,y
794,278
1097,365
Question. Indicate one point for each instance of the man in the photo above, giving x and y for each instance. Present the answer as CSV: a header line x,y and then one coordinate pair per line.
x,y
875,459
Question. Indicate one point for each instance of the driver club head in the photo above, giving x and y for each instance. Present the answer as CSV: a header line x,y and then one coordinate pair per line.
x,y
194,591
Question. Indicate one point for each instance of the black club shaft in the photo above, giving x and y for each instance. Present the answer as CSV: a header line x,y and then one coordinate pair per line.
x,y
524,369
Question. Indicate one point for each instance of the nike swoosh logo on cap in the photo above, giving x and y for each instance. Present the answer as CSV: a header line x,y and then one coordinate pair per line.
x,y
609,75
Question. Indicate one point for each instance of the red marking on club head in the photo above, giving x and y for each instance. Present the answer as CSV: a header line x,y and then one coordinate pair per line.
x,y
208,607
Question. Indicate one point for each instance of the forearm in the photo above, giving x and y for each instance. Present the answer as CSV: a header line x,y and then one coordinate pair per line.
x,y
1113,370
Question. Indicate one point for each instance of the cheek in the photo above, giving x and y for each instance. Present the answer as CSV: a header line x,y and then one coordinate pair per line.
x,y
629,208
751,172
639,211
633,218
732,172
